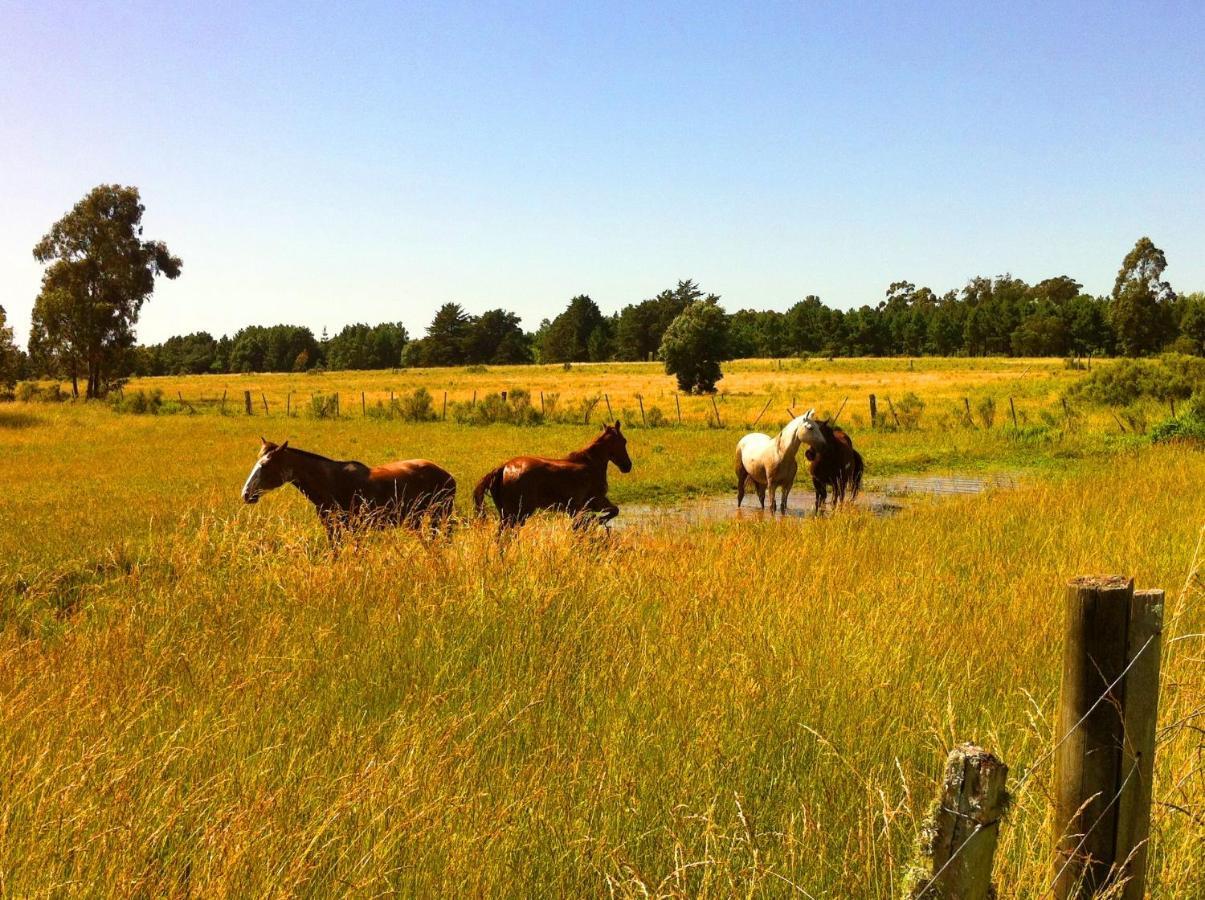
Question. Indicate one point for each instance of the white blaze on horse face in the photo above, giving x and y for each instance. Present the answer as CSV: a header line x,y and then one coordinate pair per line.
x,y
251,489
810,434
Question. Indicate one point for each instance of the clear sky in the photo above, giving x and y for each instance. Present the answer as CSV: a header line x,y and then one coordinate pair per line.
x,y
338,162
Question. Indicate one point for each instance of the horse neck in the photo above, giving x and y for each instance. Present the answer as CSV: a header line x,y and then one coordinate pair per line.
x,y
595,455
788,444
314,476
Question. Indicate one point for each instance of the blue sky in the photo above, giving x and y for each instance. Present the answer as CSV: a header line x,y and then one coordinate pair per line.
x,y
335,163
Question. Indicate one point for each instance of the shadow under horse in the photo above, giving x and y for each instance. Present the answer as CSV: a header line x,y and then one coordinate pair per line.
x,y
576,485
836,465
347,494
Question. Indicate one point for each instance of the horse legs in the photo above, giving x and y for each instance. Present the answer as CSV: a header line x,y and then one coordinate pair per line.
x,y
761,493
741,477
821,494
782,498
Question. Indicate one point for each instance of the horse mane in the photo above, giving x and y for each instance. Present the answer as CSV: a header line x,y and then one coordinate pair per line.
x,y
586,450
320,458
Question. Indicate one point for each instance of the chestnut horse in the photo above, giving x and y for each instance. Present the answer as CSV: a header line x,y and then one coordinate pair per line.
x,y
349,494
836,465
576,484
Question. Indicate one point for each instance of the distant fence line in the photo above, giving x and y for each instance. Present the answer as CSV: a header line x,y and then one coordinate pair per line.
x,y
719,410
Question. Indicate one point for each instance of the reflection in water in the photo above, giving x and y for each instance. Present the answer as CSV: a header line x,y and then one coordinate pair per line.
x,y
880,501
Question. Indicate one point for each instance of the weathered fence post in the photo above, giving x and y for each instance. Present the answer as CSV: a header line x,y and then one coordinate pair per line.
x,y
762,413
288,404
1066,410
541,404
223,401
958,839
336,404
265,400
443,416
678,404
874,412
504,396
640,400
609,414
363,405
473,402
1172,401
966,404
247,401
1013,409
718,423
891,406
1105,759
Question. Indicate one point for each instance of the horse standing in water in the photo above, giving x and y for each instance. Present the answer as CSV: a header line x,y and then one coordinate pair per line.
x,y
838,465
575,485
349,494
769,462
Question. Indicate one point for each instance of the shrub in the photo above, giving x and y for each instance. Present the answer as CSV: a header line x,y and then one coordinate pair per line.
x,y
516,409
139,403
654,417
476,370
987,411
324,406
1170,377
31,392
909,409
417,406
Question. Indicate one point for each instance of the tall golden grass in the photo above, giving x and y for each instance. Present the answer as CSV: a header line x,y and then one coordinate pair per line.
x,y
222,709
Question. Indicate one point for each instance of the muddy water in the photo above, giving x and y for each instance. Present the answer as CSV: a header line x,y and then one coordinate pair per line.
x,y
890,495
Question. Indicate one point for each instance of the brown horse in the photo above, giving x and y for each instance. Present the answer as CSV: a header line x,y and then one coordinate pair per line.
x,y
835,465
575,485
349,494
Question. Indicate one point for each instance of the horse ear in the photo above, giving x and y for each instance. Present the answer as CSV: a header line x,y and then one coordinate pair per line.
x,y
810,414
262,442
617,424
284,446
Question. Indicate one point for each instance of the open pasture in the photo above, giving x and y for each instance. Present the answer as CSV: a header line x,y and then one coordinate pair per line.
x,y
196,698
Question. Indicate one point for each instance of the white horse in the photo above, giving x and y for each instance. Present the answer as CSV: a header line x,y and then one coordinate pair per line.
x,y
769,462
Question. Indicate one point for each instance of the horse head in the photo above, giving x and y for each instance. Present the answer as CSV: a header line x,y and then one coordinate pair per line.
x,y
270,471
616,446
809,430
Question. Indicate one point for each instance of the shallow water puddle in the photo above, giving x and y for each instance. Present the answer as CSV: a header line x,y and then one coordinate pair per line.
x,y
882,501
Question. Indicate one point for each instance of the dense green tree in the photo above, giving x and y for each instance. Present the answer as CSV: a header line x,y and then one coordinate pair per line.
x,y
496,336
1141,312
363,346
567,338
1040,334
642,325
271,349
99,273
1192,322
10,357
695,344
445,340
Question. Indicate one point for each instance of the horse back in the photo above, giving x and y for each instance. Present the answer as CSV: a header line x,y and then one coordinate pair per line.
x,y
412,477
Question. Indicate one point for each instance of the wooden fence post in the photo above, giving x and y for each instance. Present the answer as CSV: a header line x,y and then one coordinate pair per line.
x,y
958,839
610,416
265,399
762,413
247,401
718,423
223,401
541,403
891,406
678,404
1107,712
874,411
966,404
288,404
1066,410
443,415
1172,401
640,400
336,404
363,405
1013,409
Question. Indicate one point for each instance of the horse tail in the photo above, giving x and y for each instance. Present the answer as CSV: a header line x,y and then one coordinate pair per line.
x,y
488,483
856,468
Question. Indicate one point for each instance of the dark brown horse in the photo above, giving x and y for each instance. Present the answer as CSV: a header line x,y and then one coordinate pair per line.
x,y
349,494
836,465
575,485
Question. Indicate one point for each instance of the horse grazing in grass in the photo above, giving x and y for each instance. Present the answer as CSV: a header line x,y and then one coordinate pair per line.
x,y
349,494
769,462
837,465
575,485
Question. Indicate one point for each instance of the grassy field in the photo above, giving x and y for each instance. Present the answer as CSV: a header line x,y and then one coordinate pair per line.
x,y
195,698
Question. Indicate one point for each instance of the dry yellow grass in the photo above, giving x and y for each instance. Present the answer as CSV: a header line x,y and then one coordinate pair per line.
x,y
195,698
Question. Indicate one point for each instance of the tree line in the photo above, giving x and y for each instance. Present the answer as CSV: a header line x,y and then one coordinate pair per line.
x,y
100,271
